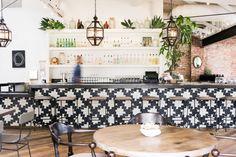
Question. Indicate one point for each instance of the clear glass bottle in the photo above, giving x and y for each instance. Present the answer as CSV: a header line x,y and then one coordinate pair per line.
x,y
72,24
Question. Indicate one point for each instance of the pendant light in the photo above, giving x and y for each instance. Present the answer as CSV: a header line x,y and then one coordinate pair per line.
x,y
5,33
95,31
170,33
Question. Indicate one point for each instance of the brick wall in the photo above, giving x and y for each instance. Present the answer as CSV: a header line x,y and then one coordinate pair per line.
x,y
219,57
185,63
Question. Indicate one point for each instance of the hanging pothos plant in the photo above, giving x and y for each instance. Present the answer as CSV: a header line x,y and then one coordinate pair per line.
x,y
173,54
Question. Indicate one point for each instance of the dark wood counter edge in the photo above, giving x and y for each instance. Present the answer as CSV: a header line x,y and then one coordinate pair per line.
x,y
23,94
141,85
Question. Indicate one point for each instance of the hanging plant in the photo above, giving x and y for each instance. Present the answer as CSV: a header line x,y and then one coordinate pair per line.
x,y
174,54
49,23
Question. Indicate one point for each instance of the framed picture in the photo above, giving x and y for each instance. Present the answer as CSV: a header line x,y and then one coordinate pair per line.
x,y
18,58
147,41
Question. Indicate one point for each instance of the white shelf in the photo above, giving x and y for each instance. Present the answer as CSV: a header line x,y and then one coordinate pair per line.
x,y
70,31
127,51
106,66
101,48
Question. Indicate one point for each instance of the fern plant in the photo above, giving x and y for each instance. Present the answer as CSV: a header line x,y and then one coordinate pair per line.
x,y
157,22
128,24
49,23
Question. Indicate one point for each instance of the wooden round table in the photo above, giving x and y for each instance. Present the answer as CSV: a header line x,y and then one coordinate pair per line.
x,y
127,140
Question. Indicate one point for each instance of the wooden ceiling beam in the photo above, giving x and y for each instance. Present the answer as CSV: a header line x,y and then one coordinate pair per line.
x,y
225,2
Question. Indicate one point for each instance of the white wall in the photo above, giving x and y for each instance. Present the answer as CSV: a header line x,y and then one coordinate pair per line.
x,y
24,23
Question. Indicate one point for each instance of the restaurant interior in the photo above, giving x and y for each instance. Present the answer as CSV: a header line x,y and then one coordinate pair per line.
x,y
117,78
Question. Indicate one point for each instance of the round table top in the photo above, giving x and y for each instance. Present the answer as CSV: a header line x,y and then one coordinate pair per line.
x,y
127,140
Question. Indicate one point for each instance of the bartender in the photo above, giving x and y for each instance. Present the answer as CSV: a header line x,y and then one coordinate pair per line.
x,y
77,70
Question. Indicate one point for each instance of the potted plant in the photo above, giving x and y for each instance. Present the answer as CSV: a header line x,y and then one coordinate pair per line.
x,y
173,54
49,23
157,22
128,24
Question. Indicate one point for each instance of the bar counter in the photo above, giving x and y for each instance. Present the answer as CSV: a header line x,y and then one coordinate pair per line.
x,y
133,85
78,112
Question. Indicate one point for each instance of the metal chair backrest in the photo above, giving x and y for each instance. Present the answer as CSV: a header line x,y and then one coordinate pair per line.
x,y
57,129
1,130
25,118
0,141
142,118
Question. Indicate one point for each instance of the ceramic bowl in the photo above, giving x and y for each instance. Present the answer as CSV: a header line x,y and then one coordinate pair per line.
x,y
150,130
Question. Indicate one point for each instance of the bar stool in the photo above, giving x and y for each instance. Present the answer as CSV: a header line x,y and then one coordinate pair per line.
x,y
212,115
39,105
119,100
93,112
180,110
69,100
150,99
226,109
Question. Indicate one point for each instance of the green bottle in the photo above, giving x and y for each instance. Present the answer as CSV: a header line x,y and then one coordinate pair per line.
x,y
57,43
61,43
74,43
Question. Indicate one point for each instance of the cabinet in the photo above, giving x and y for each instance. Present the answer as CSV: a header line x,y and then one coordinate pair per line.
x,y
122,53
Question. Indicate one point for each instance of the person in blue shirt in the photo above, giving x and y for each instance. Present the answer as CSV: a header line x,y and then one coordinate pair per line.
x,y
77,71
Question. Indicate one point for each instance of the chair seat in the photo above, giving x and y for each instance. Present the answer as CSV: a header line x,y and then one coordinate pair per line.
x,y
230,98
205,98
66,98
150,98
42,98
123,98
178,98
88,155
12,138
98,98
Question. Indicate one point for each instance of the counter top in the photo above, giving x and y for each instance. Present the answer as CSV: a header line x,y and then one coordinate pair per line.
x,y
133,85
14,94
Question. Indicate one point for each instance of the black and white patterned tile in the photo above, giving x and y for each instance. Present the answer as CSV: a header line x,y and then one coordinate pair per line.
x,y
77,113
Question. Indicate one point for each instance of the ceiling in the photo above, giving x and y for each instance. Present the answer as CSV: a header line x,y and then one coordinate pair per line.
x,y
226,4
210,25
14,3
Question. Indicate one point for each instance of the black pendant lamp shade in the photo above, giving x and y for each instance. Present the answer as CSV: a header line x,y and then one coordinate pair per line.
x,y
170,32
5,33
95,31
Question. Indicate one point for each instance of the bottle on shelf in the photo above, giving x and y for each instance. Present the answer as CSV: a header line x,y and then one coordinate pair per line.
x,y
72,24
58,43
106,25
62,58
61,43
80,24
112,23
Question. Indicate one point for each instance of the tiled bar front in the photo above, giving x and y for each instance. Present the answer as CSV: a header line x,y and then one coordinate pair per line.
x,y
76,112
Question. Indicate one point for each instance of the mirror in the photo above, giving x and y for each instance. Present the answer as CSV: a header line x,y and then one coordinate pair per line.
x,y
197,62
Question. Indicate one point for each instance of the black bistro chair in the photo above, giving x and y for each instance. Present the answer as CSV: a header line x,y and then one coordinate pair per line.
x,y
57,130
215,152
20,139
